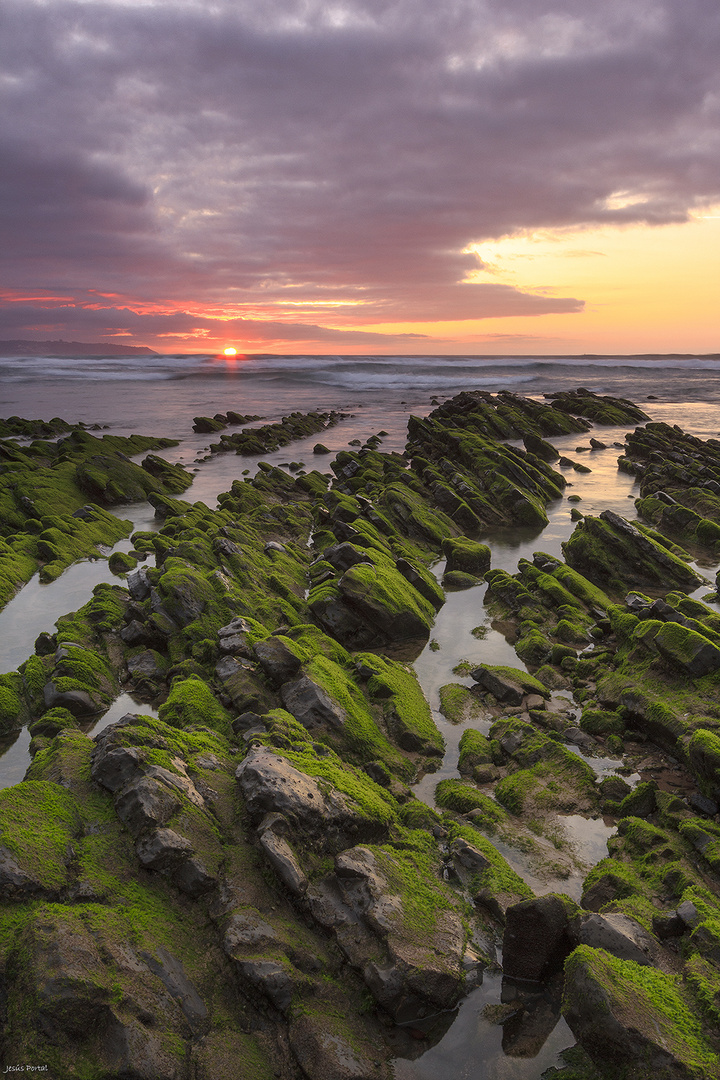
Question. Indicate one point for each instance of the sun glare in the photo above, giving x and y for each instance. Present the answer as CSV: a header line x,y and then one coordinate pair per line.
x,y
230,351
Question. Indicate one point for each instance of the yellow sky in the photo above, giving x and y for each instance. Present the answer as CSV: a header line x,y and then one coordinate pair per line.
x,y
646,289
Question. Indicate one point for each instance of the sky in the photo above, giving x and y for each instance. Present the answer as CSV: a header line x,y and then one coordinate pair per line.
x,y
362,176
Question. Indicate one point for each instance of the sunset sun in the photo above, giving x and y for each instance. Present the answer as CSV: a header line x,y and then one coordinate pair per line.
x,y
230,351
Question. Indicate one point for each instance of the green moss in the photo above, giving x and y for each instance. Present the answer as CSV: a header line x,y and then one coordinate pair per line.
x,y
474,750
602,722
533,647
192,702
466,555
10,708
412,873
406,711
415,814
38,822
462,798
359,734
499,879
657,1003
375,802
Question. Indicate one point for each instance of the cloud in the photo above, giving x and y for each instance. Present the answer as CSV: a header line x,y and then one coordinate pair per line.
x,y
241,156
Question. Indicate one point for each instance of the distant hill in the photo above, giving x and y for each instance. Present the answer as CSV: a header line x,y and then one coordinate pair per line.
x,y
72,348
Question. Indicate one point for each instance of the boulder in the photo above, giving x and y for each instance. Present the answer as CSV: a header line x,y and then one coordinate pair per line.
x,y
270,979
146,804
537,937
277,659
618,934
270,784
162,849
323,1053
16,884
466,555
468,856
633,1018
79,702
310,704
245,930
280,855
343,556
113,767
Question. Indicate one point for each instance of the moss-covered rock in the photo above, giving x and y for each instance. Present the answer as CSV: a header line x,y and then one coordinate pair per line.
x,y
634,1017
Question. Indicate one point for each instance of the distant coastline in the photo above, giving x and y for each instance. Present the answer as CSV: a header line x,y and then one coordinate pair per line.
x,y
22,347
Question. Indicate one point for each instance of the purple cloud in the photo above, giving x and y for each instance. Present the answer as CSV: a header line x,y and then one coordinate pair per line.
x,y
344,152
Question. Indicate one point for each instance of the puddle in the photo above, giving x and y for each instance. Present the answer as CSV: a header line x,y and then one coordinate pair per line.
x,y
15,750
475,1049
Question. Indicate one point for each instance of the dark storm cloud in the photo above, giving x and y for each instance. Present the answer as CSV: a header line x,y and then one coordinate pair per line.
x,y
252,154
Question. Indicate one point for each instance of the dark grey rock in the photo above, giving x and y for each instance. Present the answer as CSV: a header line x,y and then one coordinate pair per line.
x,y
247,930
280,854
618,934
113,768
78,702
270,979
343,556
310,704
162,849
193,878
323,1053
498,685
277,660
537,937
16,884
468,856
146,804
702,804
138,584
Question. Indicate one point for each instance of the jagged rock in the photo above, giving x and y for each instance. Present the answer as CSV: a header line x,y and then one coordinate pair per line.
x,y
172,975
468,856
137,633
623,1024
310,704
113,767
144,666
343,556
270,784
702,804
146,804
540,448
138,584
618,934
689,914
280,855
322,1053
537,937
247,929
507,685
193,878
413,975
277,660
425,583
247,721
270,979
163,849
16,884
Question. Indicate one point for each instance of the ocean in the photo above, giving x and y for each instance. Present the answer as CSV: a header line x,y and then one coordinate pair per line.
x,y
161,395
138,393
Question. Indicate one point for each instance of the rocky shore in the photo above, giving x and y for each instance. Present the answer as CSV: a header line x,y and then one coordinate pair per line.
x,y
246,884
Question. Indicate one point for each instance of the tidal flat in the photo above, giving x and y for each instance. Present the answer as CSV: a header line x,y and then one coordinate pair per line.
x,y
398,757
